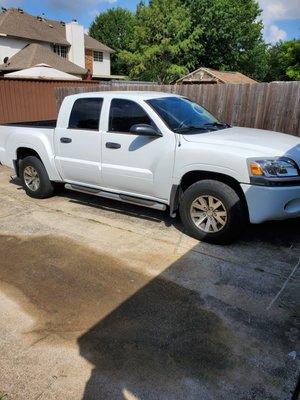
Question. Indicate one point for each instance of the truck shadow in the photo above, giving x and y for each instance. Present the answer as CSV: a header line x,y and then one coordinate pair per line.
x,y
274,232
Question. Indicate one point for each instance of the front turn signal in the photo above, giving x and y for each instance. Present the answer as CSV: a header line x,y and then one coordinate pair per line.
x,y
256,169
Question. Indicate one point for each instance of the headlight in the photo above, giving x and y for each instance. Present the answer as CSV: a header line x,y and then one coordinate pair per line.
x,y
274,168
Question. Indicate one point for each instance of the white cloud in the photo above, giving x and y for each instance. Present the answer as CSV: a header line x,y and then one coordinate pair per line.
x,y
10,3
274,34
276,10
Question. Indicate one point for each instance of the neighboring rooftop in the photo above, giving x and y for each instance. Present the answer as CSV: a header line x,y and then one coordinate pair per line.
x,y
208,75
17,23
34,54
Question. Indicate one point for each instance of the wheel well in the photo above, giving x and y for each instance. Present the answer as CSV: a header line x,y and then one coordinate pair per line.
x,y
23,152
194,176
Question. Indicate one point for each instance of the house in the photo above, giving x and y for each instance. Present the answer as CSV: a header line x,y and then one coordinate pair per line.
x,y
27,40
208,75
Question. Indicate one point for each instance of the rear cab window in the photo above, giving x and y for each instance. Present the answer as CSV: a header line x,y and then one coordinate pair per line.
x,y
126,113
85,114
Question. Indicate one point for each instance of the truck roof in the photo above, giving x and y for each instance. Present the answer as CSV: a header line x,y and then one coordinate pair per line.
x,y
141,95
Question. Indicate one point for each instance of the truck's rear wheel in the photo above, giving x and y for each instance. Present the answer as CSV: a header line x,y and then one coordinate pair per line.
x,y
34,178
212,211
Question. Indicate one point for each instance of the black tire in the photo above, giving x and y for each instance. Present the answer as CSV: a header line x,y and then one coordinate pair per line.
x,y
45,188
236,217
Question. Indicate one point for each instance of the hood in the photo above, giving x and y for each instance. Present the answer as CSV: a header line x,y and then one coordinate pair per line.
x,y
252,142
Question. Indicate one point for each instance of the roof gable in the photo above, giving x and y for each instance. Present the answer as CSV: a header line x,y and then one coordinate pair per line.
x,y
210,75
230,76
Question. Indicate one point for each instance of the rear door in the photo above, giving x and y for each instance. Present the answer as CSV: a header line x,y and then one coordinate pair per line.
x,y
79,144
132,163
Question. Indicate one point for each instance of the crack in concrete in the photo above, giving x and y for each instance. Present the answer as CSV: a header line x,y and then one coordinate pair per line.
x,y
284,285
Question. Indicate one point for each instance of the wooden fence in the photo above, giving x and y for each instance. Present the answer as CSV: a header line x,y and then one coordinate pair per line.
x,y
274,106
29,100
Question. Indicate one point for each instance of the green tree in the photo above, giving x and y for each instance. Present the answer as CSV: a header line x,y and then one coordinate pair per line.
x,y
231,35
114,28
164,42
284,61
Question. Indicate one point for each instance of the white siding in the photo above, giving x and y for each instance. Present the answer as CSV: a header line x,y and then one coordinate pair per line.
x,y
10,46
102,68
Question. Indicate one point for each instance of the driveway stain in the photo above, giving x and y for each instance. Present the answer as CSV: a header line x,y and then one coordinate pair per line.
x,y
123,323
67,286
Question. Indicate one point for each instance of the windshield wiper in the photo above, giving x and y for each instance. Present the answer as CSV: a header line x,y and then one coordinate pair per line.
x,y
190,128
217,124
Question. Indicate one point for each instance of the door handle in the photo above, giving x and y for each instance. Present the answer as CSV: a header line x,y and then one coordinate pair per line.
x,y
65,140
111,145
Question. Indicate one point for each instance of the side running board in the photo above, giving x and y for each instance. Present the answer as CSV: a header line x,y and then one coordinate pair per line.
x,y
119,197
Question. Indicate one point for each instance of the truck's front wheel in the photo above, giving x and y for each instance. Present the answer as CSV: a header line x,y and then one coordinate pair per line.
x,y
212,211
34,178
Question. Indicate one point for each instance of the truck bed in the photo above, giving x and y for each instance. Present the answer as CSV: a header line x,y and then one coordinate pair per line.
x,y
37,124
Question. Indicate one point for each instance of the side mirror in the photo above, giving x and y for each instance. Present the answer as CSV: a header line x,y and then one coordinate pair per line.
x,y
144,130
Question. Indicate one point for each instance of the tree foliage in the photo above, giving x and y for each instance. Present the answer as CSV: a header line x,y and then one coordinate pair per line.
x,y
284,61
164,42
115,29
165,39
231,35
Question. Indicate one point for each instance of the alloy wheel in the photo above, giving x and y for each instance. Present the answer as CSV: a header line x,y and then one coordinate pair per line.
x,y
208,214
31,178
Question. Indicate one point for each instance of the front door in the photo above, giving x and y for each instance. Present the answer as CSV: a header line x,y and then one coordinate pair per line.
x,y
79,145
131,163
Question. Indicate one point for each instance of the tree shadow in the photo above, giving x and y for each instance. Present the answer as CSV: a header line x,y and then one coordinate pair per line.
x,y
153,340
168,341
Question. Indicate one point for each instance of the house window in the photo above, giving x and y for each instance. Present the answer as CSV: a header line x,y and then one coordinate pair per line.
x,y
61,51
98,56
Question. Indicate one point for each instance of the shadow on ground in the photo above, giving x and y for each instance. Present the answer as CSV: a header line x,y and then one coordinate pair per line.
x,y
182,335
168,341
275,232
154,341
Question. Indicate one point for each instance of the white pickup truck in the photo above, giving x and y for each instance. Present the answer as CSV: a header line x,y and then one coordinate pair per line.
x,y
159,150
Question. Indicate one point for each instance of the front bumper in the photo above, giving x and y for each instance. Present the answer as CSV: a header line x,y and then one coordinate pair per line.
x,y
267,203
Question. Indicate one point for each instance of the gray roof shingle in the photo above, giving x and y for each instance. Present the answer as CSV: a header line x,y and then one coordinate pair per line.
x,y
93,44
23,25
34,54
14,22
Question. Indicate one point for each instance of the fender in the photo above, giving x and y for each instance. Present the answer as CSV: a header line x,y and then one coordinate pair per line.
x,y
41,145
237,175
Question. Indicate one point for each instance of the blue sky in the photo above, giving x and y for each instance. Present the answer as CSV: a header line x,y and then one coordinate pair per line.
x,y
281,17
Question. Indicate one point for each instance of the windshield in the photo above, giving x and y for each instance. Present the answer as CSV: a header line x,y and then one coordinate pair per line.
x,y
181,115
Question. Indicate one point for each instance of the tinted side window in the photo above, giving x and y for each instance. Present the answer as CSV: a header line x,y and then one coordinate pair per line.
x,y
85,114
126,113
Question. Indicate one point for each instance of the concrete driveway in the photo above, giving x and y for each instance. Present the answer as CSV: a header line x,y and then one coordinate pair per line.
x,y
102,300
